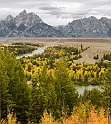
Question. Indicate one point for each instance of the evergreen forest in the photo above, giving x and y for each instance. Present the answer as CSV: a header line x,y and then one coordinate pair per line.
x,y
41,89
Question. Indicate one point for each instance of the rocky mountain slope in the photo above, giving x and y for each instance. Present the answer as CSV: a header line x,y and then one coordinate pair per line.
x,y
26,25
30,25
88,27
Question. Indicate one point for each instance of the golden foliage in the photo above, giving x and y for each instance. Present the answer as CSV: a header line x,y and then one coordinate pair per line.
x,y
11,119
81,115
97,118
47,119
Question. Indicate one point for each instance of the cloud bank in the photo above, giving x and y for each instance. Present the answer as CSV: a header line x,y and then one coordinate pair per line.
x,y
57,12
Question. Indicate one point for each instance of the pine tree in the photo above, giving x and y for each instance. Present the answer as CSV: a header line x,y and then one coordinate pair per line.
x,y
95,97
51,96
16,85
107,93
67,96
37,101
4,80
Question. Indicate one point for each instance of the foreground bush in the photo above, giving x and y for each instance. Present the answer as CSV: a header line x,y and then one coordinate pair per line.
x,y
80,115
11,119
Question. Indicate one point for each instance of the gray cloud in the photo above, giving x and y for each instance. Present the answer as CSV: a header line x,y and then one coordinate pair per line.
x,y
56,12
49,7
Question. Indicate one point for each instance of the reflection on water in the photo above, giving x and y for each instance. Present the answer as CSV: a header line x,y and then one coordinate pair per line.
x,y
81,89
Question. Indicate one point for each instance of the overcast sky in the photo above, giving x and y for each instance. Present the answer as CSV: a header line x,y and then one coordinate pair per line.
x,y
57,12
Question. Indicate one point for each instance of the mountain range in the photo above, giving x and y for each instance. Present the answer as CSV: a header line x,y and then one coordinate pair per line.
x,y
31,25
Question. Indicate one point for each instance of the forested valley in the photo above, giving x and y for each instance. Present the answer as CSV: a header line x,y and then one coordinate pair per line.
x,y
40,89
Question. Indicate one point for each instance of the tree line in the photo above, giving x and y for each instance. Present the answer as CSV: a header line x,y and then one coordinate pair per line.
x,y
20,48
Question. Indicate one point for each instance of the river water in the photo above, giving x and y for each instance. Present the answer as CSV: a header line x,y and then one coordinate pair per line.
x,y
40,50
81,89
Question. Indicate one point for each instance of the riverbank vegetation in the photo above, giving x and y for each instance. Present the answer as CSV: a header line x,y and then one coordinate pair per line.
x,y
20,48
80,74
41,89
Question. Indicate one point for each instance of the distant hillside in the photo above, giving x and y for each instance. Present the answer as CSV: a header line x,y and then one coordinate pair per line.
x,y
30,25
